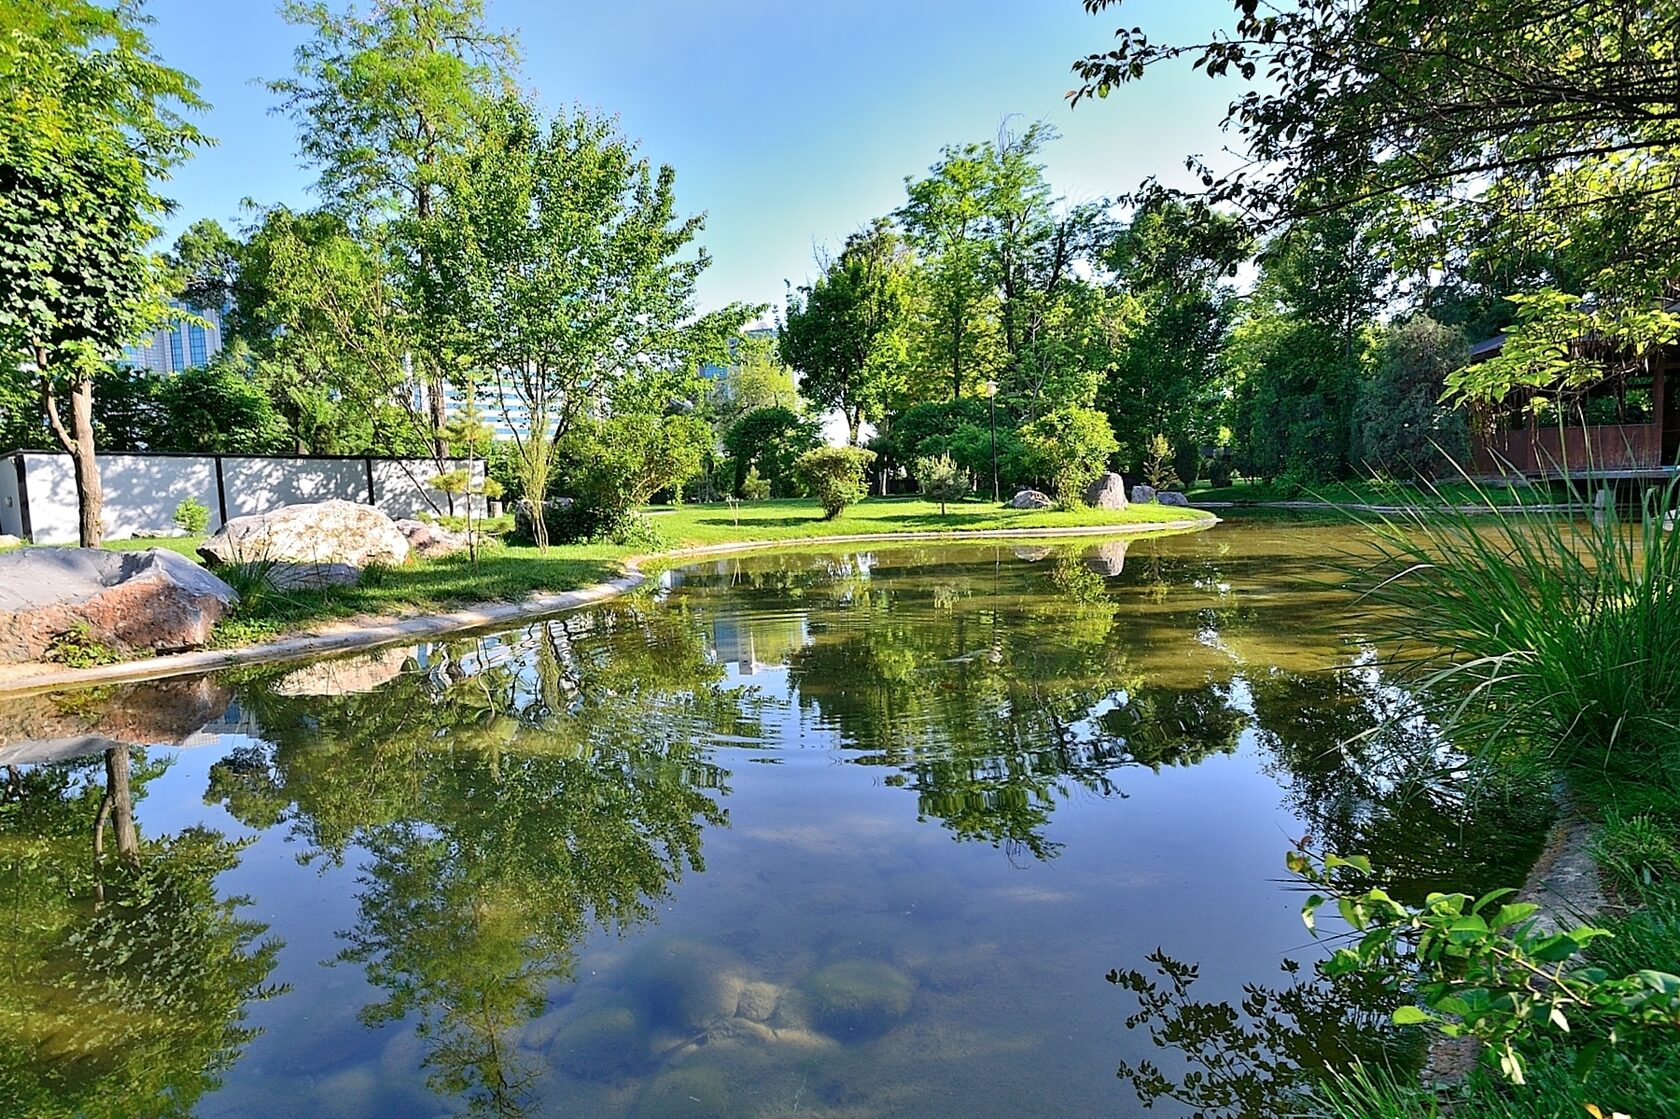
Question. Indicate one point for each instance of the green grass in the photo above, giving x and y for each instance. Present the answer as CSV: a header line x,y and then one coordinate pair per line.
x,y
1369,492
507,572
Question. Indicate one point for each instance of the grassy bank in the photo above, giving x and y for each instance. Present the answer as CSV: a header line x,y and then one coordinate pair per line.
x,y
1538,640
507,571
1370,492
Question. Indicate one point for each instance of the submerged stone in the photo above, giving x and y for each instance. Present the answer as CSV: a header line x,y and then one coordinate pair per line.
x,y
687,984
603,1044
859,996
694,1091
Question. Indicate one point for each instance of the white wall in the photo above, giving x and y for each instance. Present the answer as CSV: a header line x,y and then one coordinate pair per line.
x,y
143,491
256,484
401,489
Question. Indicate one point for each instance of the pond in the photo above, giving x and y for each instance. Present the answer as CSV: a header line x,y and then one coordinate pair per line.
x,y
937,830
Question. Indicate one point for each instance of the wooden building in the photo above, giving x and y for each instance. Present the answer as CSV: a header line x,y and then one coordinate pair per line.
x,y
1625,426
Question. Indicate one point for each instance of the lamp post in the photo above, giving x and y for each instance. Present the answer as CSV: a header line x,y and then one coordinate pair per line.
x,y
989,391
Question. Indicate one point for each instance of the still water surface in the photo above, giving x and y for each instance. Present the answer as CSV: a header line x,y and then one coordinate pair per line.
x,y
843,834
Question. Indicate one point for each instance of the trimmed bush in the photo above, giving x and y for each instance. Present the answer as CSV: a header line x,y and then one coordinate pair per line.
x,y
835,476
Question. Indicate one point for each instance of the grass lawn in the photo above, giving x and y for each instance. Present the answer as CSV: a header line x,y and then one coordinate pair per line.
x,y
508,571
1369,492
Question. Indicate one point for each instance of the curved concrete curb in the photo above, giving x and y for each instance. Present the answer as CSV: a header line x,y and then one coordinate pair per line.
x,y
353,637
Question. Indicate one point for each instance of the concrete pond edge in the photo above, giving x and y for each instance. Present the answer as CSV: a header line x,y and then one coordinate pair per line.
x,y
355,635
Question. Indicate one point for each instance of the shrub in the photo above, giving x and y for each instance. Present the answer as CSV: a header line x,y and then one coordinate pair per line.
x,y
1485,968
836,476
76,647
754,488
1158,464
1069,446
1187,462
941,480
614,466
192,517
1219,471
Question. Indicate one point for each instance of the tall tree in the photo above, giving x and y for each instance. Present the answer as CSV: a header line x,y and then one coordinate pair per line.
x,y
946,219
89,124
1177,261
1541,128
1298,354
384,101
844,333
577,280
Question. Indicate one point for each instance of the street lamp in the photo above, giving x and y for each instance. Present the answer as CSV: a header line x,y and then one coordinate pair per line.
x,y
989,391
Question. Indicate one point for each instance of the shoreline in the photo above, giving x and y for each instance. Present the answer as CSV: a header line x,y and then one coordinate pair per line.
x,y
357,634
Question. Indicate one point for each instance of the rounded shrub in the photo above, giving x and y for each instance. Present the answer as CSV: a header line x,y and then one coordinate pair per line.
x,y
836,476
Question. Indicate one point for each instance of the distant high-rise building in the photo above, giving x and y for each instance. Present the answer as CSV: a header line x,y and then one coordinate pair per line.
x,y
180,345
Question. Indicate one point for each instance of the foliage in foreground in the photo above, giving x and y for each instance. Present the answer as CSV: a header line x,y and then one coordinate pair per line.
x,y
1487,968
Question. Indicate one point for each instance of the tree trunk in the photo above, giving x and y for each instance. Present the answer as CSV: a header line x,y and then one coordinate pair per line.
x,y
78,442
122,804
90,491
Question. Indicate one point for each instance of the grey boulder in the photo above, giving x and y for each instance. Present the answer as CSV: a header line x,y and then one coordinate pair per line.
x,y
429,541
128,602
1142,494
326,543
1107,492
1031,499
1173,498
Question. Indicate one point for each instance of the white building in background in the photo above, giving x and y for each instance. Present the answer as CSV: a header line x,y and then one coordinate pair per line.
x,y
181,345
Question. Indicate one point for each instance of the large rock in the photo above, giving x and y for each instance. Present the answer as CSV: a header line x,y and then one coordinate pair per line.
x,y
1142,494
1031,499
7,540
326,543
1173,498
128,602
524,526
429,541
1107,492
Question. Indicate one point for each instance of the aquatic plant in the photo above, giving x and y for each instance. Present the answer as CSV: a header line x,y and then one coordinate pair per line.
x,y
1527,627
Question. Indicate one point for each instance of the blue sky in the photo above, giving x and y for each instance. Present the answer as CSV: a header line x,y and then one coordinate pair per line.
x,y
790,124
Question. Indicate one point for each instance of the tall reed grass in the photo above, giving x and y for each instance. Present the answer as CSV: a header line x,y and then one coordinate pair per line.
x,y
1533,628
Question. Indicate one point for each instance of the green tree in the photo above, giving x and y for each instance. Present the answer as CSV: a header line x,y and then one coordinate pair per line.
x,y
845,332
220,408
577,280
89,125
385,103
1176,261
946,218
771,440
1402,426
1298,354
328,337
1539,131
941,479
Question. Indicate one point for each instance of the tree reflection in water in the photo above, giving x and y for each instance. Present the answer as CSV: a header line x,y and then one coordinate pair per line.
x,y
126,979
507,801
